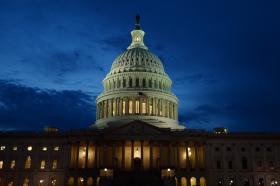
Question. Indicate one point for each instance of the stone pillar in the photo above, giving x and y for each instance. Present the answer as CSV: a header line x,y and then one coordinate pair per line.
x,y
140,105
120,106
142,155
114,155
196,156
77,157
132,154
95,154
178,156
188,165
126,106
151,154
86,162
123,155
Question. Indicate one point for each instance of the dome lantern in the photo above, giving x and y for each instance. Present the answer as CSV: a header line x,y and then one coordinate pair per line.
x,y
137,35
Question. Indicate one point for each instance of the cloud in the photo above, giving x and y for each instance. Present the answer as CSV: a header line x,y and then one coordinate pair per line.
x,y
29,108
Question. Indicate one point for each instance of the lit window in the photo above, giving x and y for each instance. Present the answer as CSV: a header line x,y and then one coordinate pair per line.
x,y
44,149
27,162
43,164
137,107
144,109
130,106
137,38
13,164
29,148
54,164
123,106
114,107
2,147
56,148
1,164
14,148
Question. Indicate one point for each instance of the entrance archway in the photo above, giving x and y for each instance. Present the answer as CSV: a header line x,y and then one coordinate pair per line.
x,y
137,163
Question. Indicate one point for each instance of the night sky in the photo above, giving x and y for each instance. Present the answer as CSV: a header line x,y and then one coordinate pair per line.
x,y
223,58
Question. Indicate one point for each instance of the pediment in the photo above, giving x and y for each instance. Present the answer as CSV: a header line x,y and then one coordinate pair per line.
x,y
138,128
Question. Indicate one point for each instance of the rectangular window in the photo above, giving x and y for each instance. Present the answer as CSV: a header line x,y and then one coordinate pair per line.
x,y
27,162
130,106
1,164
13,164
144,107
151,106
114,107
137,109
123,106
43,164
54,164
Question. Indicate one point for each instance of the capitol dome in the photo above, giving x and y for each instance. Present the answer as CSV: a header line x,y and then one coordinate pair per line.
x,y
137,88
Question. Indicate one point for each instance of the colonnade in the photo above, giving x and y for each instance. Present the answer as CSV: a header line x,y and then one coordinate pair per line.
x,y
149,155
138,105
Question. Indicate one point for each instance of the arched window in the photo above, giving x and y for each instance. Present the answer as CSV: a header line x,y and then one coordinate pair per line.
x,y
144,83
244,163
160,85
130,108
27,164
90,181
193,181
137,106
155,84
123,105
183,181
25,182
70,181
202,181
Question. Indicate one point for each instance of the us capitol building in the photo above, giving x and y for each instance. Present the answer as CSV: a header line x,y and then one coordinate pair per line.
x,y
137,140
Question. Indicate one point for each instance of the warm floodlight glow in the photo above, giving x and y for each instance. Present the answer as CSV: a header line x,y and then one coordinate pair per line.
x,y
29,148
168,170
105,169
189,152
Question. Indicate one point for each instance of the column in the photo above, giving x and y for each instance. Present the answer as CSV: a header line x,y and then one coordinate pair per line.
x,y
142,155
133,105
151,155
188,165
86,162
196,156
178,156
132,154
123,155
127,106
95,154
77,160
114,155
120,106
169,154
140,105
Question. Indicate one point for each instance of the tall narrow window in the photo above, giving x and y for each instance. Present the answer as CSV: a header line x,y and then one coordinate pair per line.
x,y
144,83
244,163
70,181
123,106
150,83
137,109
144,106
130,82
124,83
151,106
13,164
137,82
27,162
42,164
114,107
1,164
54,164
130,106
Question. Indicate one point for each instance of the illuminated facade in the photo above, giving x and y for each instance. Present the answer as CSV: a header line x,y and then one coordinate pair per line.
x,y
137,140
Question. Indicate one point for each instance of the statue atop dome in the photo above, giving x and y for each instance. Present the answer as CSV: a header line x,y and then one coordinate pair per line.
x,y
137,23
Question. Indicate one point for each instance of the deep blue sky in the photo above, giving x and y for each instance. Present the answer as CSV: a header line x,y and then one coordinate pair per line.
x,y
223,58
